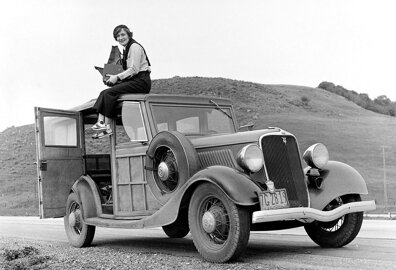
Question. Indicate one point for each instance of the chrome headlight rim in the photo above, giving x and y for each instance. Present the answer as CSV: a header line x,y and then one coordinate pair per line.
x,y
251,158
316,156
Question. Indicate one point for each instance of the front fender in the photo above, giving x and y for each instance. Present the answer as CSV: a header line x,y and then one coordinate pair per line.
x,y
236,185
88,195
339,179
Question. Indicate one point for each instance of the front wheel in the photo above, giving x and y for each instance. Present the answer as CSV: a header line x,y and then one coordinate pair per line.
x,y
78,233
339,232
220,229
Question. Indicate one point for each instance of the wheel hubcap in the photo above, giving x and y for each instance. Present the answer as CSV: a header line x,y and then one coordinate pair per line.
x,y
209,222
214,220
163,171
72,219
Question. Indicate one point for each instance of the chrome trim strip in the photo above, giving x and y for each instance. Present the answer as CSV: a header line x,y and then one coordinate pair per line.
x,y
310,213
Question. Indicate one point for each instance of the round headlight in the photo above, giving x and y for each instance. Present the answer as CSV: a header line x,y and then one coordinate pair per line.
x,y
316,155
251,158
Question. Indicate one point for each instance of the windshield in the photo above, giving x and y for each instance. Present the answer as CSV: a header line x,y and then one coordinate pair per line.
x,y
198,120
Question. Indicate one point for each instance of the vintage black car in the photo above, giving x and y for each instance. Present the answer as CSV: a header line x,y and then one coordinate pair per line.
x,y
182,163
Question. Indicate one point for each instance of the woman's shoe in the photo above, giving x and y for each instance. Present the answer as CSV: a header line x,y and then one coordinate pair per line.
x,y
103,134
99,126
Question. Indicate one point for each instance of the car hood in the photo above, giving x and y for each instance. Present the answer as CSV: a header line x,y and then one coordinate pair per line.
x,y
230,139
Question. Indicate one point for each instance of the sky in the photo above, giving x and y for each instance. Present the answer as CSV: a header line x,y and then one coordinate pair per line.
x,y
49,48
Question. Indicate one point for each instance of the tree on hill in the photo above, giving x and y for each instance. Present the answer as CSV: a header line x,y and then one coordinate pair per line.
x,y
382,104
383,100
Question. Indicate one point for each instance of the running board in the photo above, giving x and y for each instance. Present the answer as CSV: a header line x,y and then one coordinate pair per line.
x,y
116,223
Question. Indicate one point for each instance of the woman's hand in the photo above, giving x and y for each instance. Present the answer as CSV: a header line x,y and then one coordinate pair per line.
x,y
112,80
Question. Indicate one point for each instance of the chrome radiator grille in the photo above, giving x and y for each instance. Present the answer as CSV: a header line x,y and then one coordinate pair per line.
x,y
283,164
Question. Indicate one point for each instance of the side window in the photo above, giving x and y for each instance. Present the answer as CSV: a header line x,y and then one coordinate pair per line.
x,y
60,131
132,120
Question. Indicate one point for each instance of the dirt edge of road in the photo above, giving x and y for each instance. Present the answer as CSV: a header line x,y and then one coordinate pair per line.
x,y
16,253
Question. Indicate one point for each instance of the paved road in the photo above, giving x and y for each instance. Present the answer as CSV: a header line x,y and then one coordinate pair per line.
x,y
374,248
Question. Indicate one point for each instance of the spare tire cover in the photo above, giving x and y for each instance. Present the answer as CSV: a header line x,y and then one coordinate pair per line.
x,y
185,155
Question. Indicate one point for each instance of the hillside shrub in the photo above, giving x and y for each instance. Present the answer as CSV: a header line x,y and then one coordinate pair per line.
x,y
392,111
305,100
382,104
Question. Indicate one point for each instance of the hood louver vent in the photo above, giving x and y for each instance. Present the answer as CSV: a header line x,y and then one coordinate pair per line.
x,y
216,157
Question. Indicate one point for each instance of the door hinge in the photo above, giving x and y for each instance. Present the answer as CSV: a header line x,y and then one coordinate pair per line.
x,y
43,165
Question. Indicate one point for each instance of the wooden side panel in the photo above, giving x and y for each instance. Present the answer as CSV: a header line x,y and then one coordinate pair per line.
x,y
152,202
123,187
123,172
134,198
139,198
138,184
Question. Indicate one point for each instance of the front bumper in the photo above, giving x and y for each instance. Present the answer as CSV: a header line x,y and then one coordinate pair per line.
x,y
306,214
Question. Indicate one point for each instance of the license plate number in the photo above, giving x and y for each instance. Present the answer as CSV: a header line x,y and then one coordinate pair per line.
x,y
273,200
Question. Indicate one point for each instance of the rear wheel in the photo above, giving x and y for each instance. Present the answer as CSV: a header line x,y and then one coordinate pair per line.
x,y
220,229
78,233
339,232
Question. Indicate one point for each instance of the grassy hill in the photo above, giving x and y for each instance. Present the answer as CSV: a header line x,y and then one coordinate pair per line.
x,y
352,134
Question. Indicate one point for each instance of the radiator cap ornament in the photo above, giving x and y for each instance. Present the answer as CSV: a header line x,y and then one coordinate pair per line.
x,y
270,186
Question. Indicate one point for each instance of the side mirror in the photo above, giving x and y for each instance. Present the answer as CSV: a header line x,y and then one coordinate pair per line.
x,y
247,127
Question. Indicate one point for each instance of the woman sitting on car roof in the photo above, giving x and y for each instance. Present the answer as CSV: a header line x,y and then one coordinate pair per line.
x,y
134,79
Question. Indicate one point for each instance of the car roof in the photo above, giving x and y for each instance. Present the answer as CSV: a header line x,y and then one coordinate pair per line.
x,y
161,98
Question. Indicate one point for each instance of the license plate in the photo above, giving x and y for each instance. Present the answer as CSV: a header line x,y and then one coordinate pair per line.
x,y
273,200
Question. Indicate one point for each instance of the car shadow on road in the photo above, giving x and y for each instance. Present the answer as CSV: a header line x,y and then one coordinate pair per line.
x,y
256,249
164,245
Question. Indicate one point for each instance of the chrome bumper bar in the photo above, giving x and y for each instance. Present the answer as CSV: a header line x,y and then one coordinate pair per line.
x,y
310,213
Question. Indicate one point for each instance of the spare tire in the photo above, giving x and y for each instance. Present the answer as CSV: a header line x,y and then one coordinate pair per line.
x,y
173,160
